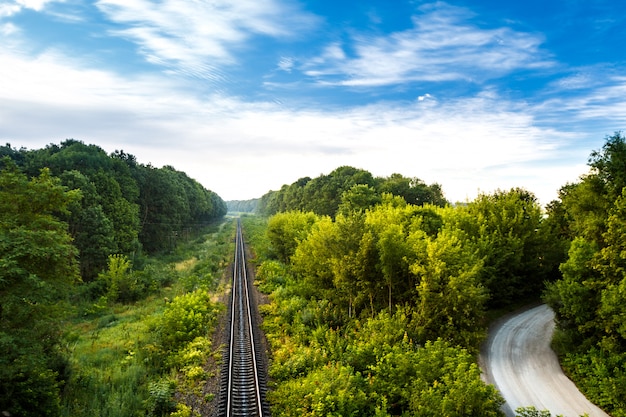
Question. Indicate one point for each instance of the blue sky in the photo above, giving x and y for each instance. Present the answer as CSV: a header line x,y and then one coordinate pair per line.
x,y
247,95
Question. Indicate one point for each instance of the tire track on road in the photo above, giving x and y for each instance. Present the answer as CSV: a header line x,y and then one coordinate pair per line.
x,y
518,360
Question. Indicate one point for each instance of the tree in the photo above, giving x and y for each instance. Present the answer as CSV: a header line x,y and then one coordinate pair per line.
x,y
451,299
37,267
507,234
334,390
313,258
286,230
609,164
413,190
89,226
358,198
448,384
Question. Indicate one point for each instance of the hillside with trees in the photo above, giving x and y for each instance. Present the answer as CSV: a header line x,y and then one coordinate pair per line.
x,y
323,195
126,207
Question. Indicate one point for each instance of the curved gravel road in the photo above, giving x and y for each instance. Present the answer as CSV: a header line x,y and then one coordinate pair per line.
x,y
518,360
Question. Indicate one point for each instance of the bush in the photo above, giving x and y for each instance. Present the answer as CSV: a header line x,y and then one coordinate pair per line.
x,y
187,317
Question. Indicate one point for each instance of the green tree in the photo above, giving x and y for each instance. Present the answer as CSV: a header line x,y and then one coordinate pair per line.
x,y
334,390
286,230
117,278
358,198
37,268
451,300
413,190
609,164
448,384
507,232
89,226
575,297
313,259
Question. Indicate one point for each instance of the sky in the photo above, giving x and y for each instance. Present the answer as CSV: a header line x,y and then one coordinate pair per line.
x,y
248,95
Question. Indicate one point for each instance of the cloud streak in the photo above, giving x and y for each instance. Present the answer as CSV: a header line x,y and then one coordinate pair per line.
x,y
442,45
197,36
241,149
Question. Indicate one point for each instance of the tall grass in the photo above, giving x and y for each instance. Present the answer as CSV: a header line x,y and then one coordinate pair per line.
x,y
117,361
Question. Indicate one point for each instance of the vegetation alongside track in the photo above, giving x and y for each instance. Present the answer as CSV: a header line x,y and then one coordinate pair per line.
x,y
377,307
85,328
137,359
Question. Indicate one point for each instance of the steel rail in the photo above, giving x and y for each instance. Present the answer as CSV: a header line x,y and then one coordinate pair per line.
x,y
241,392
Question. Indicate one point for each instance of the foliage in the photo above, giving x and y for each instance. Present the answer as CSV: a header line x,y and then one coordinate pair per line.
x,y
329,357
286,230
369,368
349,188
44,228
531,412
332,390
126,206
122,364
187,317
161,397
37,268
509,235
589,299
450,298
242,206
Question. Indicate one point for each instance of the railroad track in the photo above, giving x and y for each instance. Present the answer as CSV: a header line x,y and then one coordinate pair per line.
x,y
243,377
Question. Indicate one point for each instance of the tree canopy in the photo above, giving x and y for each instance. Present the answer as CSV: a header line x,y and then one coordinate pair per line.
x,y
348,185
126,207
589,299
37,267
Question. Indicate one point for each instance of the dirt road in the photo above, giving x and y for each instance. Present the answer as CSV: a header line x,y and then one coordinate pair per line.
x,y
518,360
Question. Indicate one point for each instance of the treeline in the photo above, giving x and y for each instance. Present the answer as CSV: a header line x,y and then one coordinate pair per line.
x,y
243,206
75,224
126,207
388,299
590,299
323,195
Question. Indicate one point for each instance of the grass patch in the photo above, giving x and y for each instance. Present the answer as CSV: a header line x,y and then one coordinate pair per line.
x,y
121,357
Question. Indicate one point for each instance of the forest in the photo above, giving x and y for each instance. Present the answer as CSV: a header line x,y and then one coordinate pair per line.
x,y
386,290
380,291
380,309
78,233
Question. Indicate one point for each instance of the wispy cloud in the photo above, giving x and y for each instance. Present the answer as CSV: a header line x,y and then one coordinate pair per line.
x,y
442,45
589,96
459,143
197,36
9,8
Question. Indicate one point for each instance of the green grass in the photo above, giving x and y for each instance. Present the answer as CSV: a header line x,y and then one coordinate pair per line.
x,y
113,350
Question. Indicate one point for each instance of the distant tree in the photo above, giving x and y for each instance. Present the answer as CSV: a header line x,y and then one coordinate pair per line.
x,y
243,206
358,198
413,190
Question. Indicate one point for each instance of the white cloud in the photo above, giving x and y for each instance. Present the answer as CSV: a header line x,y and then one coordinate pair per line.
x,y
197,35
242,149
8,29
600,99
442,45
37,5
286,64
13,7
